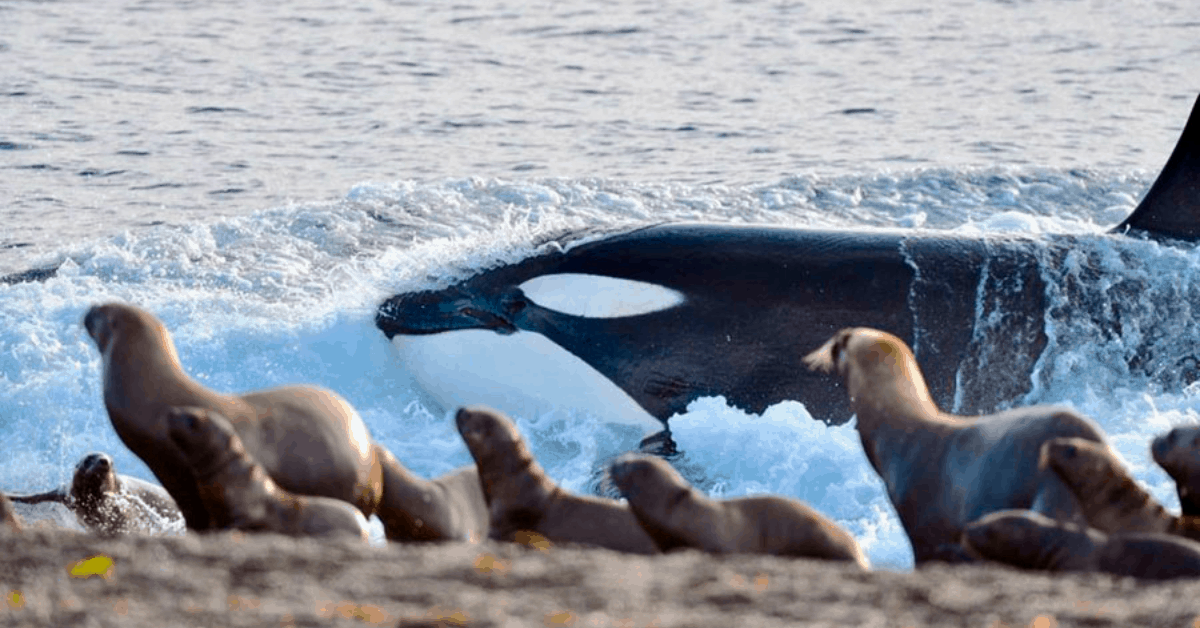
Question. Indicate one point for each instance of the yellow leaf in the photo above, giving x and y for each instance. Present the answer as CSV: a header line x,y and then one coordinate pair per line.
x,y
99,565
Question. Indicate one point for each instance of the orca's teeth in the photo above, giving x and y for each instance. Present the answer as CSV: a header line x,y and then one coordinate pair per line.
x,y
489,320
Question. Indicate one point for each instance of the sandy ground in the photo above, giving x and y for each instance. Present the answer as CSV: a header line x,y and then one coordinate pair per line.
x,y
235,579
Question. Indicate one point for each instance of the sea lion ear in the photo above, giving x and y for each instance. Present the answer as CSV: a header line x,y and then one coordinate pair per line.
x,y
828,358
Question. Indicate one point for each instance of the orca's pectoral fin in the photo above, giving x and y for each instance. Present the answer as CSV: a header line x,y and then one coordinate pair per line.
x,y
1171,209
56,495
659,444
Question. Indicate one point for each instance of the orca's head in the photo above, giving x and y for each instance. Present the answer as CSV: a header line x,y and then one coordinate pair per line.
x,y
505,302
454,308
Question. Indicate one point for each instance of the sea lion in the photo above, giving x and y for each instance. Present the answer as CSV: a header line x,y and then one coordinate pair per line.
x,y
1178,453
676,515
1111,499
1023,538
522,499
447,508
108,503
308,439
943,471
9,521
238,493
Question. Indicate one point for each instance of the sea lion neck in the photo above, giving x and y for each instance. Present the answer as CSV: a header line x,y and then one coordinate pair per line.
x,y
887,389
145,348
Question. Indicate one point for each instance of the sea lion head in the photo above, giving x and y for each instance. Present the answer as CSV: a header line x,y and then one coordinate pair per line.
x,y
95,476
492,438
93,490
1024,538
1110,498
644,479
207,439
1174,451
874,365
118,323
1177,452
1075,459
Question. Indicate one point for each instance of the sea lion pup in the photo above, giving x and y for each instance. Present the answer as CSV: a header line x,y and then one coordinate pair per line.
x,y
1023,538
1112,501
1178,453
943,471
521,498
9,521
238,493
676,515
108,503
309,440
447,508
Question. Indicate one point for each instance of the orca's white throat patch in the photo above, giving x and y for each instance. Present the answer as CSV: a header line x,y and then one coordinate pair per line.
x,y
598,296
522,374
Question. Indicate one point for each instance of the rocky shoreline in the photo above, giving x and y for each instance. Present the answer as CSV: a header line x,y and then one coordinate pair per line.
x,y
238,579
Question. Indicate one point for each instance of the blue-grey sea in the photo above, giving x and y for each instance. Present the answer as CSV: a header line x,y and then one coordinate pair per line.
x,y
263,175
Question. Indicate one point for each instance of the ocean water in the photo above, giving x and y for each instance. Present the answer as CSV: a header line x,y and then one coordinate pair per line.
x,y
261,178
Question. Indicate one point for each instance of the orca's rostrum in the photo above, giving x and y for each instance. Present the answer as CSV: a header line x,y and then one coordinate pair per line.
x,y
741,305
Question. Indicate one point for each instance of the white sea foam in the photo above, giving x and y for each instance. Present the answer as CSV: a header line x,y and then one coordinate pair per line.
x,y
288,295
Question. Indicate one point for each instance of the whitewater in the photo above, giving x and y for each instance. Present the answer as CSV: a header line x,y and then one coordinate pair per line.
x,y
261,178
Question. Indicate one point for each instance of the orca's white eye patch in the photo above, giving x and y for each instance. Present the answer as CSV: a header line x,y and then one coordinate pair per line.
x,y
597,296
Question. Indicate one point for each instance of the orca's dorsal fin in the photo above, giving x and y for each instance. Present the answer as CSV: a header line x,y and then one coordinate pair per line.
x,y
1171,208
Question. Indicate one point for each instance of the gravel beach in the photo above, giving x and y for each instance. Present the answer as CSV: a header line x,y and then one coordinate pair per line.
x,y
235,579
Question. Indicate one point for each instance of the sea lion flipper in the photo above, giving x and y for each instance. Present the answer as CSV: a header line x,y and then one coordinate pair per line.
x,y
57,495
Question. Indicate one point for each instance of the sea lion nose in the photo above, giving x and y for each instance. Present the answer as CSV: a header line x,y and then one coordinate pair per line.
x,y
96,459
89,319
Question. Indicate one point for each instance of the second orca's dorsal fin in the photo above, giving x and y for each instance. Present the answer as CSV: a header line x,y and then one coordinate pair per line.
x,y
1171,208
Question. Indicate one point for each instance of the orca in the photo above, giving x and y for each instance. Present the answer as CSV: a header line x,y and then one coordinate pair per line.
x,y
730,310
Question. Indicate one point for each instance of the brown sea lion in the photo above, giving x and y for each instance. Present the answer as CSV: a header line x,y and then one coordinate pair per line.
x,y
9,521
676,515
447,508
522,499
237,492
943,471
309,440
1112,501
1178,453
109,503
1026,539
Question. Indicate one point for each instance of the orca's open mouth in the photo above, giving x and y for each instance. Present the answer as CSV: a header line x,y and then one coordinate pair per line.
x,y
488,320
433,312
